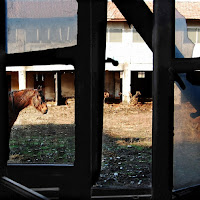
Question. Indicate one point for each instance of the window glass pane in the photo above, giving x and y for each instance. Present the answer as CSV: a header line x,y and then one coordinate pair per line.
x,y
136,37
39,25
12,35
198,41
66,34
127,132
44,35
39,135
192,34
141,74
55,35
31,36
115,35
185,31
186,132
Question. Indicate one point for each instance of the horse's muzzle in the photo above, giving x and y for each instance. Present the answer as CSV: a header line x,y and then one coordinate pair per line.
x,y
46,111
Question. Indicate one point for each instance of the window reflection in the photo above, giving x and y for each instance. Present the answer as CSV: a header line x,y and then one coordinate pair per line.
x,y
44,25
184,40
186,132
43,138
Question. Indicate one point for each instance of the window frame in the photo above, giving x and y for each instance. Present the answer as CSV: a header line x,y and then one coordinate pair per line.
x,y
89,82
110,33
165,69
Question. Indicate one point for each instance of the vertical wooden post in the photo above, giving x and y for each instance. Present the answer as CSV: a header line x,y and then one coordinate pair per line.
x,y
89,88
163,99
4,137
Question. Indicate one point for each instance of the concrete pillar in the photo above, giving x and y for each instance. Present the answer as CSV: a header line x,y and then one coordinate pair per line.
x,y
126,83
57,88
22,79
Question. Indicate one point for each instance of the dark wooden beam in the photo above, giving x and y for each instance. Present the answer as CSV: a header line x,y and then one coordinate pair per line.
x,y
163,100
4,140
183,65
139,15
58,56
20,189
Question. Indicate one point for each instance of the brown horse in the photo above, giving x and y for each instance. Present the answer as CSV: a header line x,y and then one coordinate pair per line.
x,y
18,100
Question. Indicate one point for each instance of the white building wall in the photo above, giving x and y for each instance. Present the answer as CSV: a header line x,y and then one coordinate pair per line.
x,y
130,55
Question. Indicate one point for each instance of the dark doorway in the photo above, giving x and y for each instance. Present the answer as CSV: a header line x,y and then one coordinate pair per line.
x,y
142,81
39,80
8,82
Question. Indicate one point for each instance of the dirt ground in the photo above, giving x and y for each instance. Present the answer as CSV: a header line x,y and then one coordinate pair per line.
x,y
127,142
126,158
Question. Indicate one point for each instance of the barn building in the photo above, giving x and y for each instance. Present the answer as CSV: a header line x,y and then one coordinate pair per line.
x,y
56,27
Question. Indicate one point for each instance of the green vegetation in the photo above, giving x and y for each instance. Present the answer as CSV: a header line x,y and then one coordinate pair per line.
x,y
41,147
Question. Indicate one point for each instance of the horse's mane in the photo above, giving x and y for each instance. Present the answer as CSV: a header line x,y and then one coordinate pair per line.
x,y
25,92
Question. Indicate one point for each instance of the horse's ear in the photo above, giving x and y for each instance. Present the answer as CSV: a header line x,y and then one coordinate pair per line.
x,y
39,88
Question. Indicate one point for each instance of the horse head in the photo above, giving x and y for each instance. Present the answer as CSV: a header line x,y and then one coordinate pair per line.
x,y
39,101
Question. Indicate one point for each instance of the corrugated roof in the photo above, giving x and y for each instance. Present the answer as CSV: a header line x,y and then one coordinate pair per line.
x,y
190,10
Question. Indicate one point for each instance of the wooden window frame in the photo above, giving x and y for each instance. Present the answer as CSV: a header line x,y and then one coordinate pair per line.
x,y
89,95
88,58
